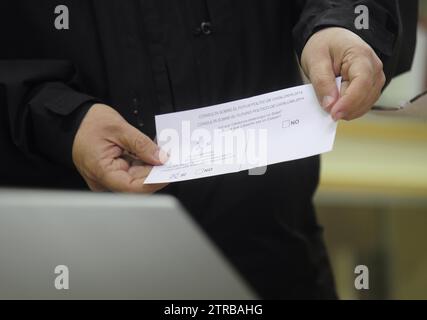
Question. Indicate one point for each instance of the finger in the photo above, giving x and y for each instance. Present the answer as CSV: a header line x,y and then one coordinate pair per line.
x,y
134,141
114,164
140,172
113,175
122,181
353,97
344,87
370,100
322,75
119,181
363,73
365,104
131,181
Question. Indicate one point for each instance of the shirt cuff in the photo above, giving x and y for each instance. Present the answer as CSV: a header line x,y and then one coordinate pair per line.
x,y
56,113
380,35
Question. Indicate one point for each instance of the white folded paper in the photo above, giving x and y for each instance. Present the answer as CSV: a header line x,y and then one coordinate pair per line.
x,y
244,134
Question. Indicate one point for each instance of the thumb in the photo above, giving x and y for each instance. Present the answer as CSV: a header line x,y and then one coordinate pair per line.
x,y
322,76
134,141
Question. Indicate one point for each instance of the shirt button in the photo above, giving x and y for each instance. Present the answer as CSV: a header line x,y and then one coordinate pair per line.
x,y
205,28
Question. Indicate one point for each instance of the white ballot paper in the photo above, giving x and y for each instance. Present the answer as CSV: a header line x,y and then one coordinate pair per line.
x,y
244,134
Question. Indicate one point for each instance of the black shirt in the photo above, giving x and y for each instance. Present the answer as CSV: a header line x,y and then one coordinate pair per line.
x,y
155,56
147,57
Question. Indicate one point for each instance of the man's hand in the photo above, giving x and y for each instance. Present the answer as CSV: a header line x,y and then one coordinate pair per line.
x,y
336,51
112,155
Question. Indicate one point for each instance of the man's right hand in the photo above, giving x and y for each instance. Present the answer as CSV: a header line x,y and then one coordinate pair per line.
x,y
112,155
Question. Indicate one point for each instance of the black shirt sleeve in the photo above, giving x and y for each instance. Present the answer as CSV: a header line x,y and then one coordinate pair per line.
x,y
44,110
384,34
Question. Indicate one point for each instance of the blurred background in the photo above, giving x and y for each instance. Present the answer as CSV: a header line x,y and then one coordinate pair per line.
x,y
372,199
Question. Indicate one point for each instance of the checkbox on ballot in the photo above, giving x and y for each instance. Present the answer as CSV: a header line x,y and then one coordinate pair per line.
x,y
286,124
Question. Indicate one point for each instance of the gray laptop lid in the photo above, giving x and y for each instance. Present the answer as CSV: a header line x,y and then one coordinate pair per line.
x,y
107,246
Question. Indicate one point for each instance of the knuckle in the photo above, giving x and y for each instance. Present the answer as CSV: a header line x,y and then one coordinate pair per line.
x,y
366,51
379,64
375,61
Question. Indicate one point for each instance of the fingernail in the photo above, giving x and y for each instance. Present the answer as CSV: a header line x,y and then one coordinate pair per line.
x,y
161,155
339,115
327,102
